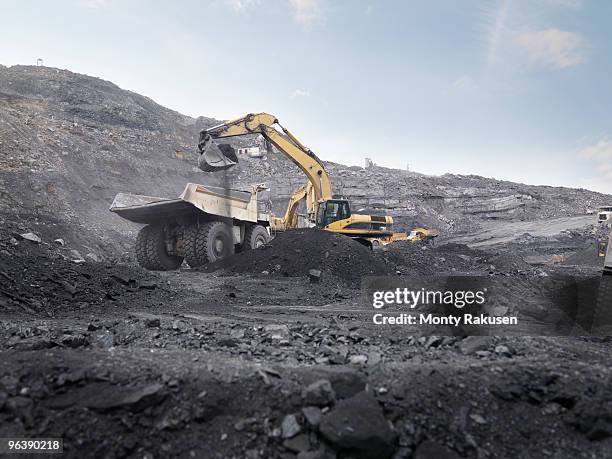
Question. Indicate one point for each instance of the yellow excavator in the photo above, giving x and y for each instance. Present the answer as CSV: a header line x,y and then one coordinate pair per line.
x,y
327,212
291,217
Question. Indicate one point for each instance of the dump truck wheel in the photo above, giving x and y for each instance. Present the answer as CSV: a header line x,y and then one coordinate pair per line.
x,y
151,250
207,243
194,242
141,247
255,236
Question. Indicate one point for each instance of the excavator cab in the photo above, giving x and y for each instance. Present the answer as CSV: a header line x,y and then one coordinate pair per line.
x,y
331,211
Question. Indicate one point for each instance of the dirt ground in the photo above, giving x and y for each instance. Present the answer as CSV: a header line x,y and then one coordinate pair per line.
x,y
252,360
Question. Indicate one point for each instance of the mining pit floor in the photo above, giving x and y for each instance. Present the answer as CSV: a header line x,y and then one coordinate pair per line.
x,y
260,362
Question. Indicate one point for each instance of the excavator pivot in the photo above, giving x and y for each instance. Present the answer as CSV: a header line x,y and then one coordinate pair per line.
x,y
215,157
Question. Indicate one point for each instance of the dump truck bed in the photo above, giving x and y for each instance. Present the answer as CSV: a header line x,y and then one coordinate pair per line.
x,y
195,199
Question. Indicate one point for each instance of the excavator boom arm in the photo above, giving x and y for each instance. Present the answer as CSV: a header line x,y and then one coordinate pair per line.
x,y
265,124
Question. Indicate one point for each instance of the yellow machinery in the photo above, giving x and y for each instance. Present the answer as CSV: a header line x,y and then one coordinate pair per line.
x,y
203,225
327,212
290,219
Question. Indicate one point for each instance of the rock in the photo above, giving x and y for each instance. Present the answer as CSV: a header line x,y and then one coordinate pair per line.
x,y
93,257
473,344
76,256
34,343
277,331
244,423
147,285
503,351
477,418
313,415
600,430
337,354
319,393
290,426
104,340
358,359
74,341
346,381
432,450
31,237
69,378
228,342
104,397
314,275
433,341
180,326
498,311
124,280
237,333
357,425
298,443
153,322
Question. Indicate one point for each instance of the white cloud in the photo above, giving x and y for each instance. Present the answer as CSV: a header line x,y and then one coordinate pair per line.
x,y
305,12
495,25
465,83
299,93
308,12
601,151
552,47
516,39
601,154
240,6
94,4
563,3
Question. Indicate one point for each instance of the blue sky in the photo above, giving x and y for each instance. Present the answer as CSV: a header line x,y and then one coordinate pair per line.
x,y
516,90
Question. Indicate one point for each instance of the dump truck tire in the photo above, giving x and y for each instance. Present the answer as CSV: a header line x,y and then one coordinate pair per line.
x,y
207,243
195,246
254,237
151,250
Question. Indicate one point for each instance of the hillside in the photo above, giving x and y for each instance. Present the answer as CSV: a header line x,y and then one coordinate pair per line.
x,y
70,142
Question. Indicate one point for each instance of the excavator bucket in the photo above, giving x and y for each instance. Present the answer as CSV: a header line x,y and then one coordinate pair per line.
x,y
215,157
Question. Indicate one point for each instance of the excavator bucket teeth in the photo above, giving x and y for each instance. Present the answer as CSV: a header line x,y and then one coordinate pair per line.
x,y
216,157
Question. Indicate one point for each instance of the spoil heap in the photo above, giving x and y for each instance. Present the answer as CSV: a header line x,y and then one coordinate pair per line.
x,y
294,253
43,278
422,259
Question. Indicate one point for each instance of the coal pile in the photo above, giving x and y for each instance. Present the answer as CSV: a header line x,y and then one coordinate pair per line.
x,y
421,258
295,253
37,278
588,256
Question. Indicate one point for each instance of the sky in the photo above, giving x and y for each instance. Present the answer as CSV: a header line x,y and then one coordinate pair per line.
x,y
517,90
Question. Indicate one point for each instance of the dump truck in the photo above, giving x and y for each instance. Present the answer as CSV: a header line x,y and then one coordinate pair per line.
x,y
203,225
